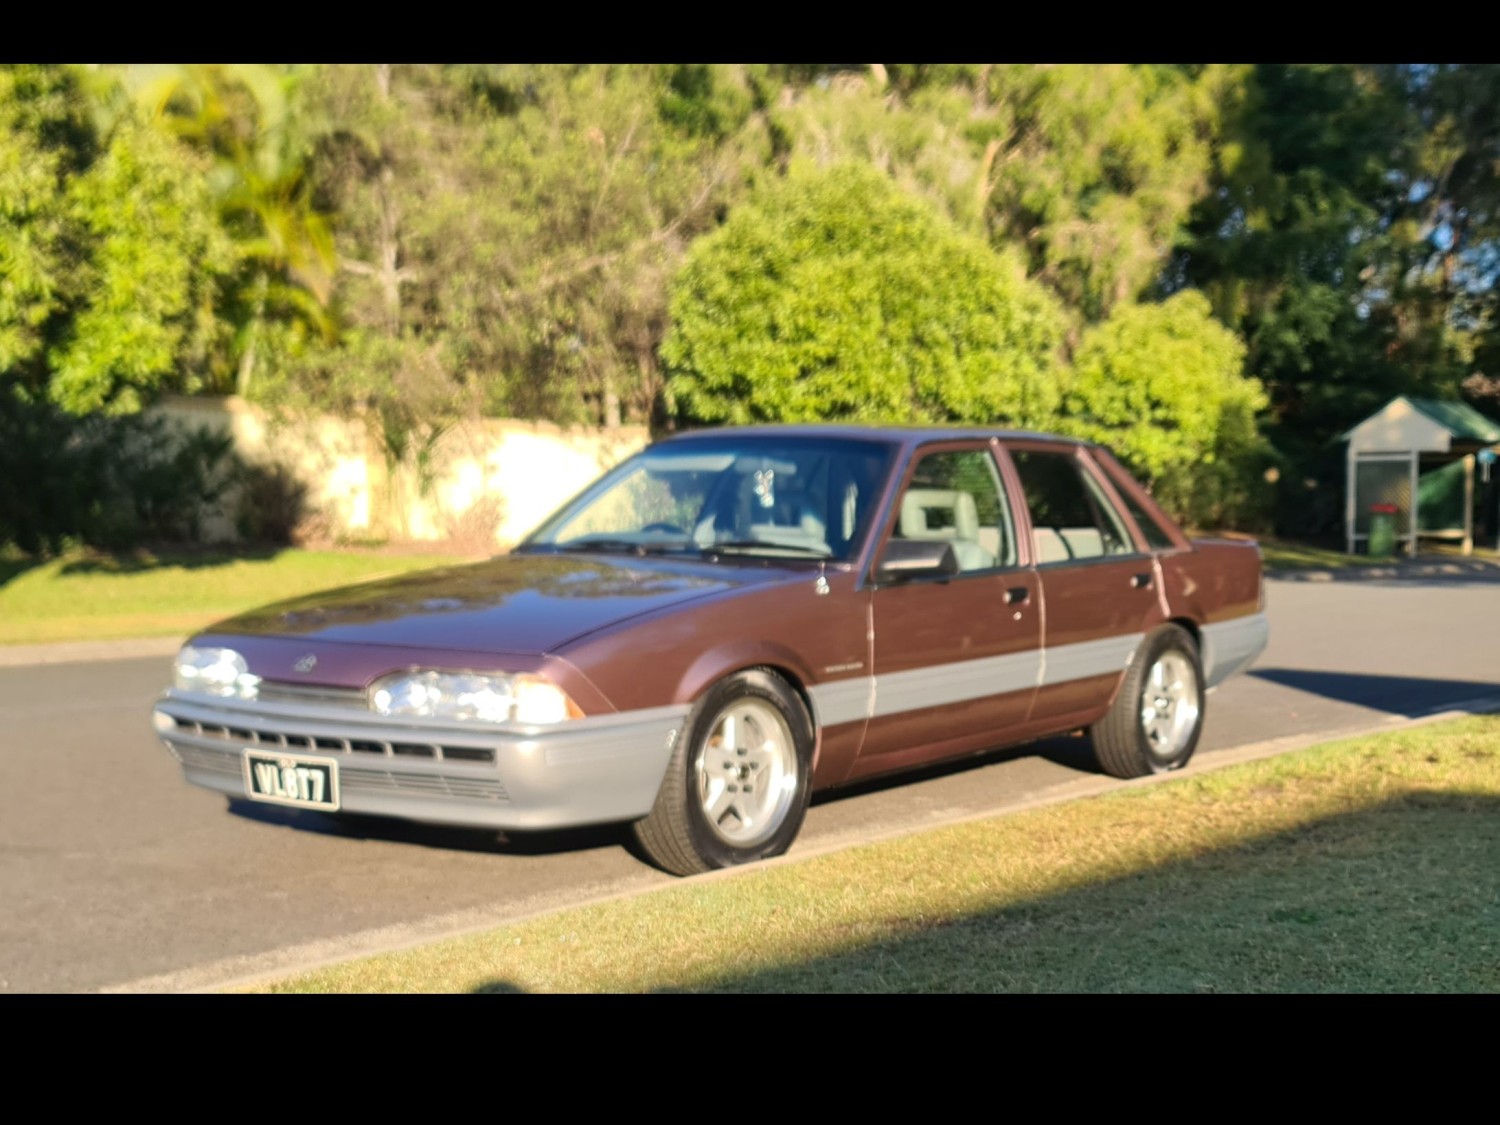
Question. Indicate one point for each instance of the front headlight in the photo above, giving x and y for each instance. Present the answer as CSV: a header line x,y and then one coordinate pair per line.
x,y
215,671
467,695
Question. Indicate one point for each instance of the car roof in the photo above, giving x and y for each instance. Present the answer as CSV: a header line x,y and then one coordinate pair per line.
x,y
894,435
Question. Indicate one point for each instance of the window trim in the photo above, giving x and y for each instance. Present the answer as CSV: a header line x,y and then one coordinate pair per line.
x,y
1079,455
1123,484
892,514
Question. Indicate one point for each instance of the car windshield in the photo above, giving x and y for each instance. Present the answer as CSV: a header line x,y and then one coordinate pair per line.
x,y
770,496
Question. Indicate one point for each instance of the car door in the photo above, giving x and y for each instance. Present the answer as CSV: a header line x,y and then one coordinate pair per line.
x,y
956,658
1098,585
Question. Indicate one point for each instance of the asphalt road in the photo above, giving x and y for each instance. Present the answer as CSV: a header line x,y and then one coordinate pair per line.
x,y
116,873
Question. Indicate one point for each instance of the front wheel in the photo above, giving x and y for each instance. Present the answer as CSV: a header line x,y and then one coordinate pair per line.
x,y
738,784
1155,721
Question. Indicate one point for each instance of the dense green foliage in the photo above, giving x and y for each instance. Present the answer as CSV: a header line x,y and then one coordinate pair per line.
x,y
1160,384
998,242
111,249
834,295
109,481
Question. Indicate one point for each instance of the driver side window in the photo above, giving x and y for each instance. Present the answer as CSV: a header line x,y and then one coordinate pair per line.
x,y
956,495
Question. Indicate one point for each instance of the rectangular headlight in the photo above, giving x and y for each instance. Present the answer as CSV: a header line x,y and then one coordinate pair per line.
x,y
214,671
467,695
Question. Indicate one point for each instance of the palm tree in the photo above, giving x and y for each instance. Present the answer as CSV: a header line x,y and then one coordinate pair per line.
x,y
243,115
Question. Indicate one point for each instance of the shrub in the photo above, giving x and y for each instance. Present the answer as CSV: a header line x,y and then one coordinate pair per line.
x,y
112,482
834,295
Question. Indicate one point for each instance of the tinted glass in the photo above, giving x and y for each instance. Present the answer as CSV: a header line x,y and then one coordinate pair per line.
x,y
747,495
956,496
1152,530
1071,518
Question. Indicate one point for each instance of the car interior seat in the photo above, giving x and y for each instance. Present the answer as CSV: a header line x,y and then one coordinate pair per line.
x,y
941,513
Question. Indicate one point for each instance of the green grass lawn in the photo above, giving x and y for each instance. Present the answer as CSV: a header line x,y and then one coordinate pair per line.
x,y
1279,554
98,597
1369,865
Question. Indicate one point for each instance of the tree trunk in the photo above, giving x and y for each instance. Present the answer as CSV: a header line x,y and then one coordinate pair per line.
x,y
247,360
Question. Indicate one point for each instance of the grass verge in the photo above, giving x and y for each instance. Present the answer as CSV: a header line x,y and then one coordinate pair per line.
x,y
101,597
1278,554
1367,865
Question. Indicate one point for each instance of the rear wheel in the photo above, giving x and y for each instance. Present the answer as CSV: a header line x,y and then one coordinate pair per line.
x,y
1157,716
737,787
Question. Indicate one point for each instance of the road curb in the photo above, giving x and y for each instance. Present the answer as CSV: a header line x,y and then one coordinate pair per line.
x,y
1457,571
253,969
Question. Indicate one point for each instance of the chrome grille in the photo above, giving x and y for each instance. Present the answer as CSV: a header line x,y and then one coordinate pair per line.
x,y
291,740
354,779
273,692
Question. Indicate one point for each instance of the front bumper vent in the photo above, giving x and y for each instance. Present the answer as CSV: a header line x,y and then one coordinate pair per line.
x,y
292,740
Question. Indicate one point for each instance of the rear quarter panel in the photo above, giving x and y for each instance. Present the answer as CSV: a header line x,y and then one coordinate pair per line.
x,y
1217,585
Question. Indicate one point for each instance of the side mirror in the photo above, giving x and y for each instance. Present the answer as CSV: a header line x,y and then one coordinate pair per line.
x,y
916,558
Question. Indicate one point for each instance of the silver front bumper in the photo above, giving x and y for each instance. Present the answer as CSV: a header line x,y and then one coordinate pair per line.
x,y
507,776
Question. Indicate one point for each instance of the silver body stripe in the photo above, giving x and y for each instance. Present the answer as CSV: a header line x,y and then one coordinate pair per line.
x,y
956,683
1066,663
843,701
851,700
1229,647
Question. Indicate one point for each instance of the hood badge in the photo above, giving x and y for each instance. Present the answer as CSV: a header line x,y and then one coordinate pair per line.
x,y
306,664
820,587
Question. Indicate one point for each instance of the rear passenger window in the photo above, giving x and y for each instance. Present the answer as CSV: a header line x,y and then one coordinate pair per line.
x,y
1071,518
956,496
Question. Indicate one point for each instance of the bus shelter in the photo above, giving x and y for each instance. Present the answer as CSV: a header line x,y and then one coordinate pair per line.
x,y
1417,459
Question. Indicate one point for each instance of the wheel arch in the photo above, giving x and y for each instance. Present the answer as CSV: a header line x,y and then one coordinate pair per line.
x,y
786,670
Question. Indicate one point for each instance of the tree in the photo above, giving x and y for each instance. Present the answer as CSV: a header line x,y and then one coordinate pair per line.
x,y
245,118
1308,248
1094,170
114,258
1161,385
834,295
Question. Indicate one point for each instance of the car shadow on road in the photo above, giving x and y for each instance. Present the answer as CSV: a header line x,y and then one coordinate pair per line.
x,y
355,826
1073,752
1410,696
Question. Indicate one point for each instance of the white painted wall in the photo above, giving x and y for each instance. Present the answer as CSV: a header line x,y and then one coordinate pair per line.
x,y
500,473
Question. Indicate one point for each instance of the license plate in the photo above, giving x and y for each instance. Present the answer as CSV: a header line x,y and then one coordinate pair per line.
x,y
292,779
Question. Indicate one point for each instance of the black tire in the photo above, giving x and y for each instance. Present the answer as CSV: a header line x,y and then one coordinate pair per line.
x,y
1123,745
677,835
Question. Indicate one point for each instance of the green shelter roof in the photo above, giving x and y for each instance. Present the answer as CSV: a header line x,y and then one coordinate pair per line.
x,y
1458,418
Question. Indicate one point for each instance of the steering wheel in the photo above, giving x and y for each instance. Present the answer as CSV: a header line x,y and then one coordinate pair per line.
x,y
664,527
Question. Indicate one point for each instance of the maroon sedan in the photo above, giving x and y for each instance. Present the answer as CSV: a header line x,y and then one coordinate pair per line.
x,y
726,622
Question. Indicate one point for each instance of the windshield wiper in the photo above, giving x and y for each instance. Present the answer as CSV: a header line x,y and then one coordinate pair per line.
x,y
765,545
608,546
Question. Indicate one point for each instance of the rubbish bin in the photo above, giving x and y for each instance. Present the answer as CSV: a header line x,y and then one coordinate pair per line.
x,y
1382,530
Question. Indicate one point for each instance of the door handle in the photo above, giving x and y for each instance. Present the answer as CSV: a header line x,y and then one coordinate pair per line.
x,y
1017,594
1140,581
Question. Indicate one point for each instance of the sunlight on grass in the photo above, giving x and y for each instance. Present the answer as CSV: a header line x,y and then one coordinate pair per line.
x,y
1278,554
1365,865
87,597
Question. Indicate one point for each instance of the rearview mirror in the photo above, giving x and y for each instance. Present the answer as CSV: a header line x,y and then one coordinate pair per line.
x,y
916,558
